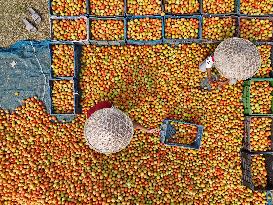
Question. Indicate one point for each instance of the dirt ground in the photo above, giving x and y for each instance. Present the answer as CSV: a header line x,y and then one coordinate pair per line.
x,y
12,28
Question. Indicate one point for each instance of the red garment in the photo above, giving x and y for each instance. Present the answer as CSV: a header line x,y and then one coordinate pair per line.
x,y
98,106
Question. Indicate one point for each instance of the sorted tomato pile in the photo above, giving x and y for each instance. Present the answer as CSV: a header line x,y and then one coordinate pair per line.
x,y
145,29
256,29
216,28
256,7
219,6
265,52
181,28
49,162
107,30
107,7
68,7
185,134
261,97
69,29
259,174
63,60
62,96
144,7
260,134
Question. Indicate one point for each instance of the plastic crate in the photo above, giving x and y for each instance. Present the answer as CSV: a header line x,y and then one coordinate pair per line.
x,y
77,53
106,42
167,131
144,42
246,141
241,14
76,98
220,16
163,3
85,41
170,40
51,11
112,16
235,12
246,160
255,17
246,96
126,13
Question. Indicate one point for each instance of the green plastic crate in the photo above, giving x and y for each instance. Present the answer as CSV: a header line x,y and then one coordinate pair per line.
x,y
247,96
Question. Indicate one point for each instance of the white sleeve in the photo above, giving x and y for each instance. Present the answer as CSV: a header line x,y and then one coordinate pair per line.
x,y
232,81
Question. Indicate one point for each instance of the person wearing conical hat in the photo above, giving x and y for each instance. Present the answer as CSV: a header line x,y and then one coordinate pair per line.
x,y
108,129
235,59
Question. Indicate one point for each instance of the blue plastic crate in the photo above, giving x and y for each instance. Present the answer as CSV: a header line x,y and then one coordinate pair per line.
x,y
127,14
118,16
167,131
163,3
255,17
85,41
172,41
51,11
246,161
144,42
241,14
107,42
77,52
235,12
76,98
221,16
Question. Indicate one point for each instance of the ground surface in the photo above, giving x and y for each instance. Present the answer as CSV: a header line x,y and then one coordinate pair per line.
x,y
12,27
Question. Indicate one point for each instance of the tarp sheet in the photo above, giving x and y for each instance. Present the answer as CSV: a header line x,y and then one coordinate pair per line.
x,y
24,73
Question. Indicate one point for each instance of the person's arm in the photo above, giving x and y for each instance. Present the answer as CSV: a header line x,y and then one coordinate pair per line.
x,y
221,84
140,127
209,74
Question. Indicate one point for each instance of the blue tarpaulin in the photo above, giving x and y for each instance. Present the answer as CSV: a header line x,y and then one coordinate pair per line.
x,y
24,73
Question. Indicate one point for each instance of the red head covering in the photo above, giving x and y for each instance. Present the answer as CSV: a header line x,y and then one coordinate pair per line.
x,y
98,106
